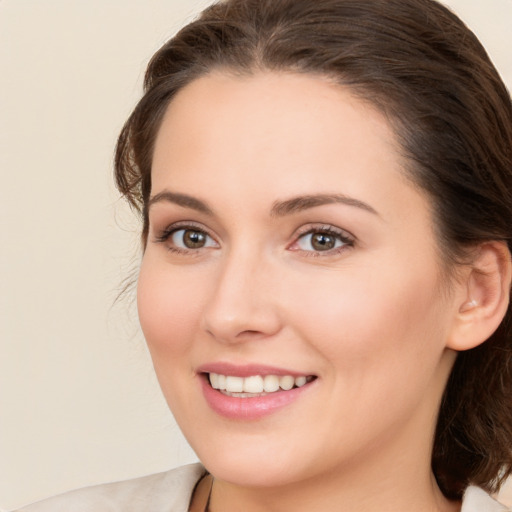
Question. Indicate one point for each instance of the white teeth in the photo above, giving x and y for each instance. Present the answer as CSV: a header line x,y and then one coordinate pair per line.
x,y
234,384
270,383
255,385
286,382
214,380
300,381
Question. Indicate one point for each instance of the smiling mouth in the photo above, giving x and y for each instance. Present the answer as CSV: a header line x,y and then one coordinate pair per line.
x,y
256,385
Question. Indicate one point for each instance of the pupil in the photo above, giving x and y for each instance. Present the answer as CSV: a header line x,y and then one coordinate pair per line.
x,y
323,242
194,239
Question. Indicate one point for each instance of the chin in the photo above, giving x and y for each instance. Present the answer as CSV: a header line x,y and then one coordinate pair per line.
x,y
247,472
256,460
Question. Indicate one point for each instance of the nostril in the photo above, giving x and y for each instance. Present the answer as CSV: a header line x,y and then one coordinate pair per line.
x,y
249,333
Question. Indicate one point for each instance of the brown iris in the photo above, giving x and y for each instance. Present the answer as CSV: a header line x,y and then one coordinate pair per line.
x,y
194,239
322,241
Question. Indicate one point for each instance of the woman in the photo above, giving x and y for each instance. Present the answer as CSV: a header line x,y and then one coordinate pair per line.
x,y
325,194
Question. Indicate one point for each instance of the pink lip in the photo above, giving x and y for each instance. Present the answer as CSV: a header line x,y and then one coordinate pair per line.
x,y
248,408
246,370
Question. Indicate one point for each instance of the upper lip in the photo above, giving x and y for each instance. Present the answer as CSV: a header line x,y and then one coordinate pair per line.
x,y
247,370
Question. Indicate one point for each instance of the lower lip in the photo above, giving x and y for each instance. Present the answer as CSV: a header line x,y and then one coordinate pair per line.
x,y
249,408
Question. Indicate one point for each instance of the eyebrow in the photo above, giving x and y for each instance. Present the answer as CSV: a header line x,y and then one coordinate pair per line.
x,y
181,200
300,203
279,208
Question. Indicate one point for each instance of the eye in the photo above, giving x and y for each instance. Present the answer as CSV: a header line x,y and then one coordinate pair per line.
x,y
189,238
318,242
327,239
185,238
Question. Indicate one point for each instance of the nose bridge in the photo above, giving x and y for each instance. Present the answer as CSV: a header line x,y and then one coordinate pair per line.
x,y
242,305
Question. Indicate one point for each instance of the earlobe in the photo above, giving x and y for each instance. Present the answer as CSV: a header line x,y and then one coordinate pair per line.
x,y
486,296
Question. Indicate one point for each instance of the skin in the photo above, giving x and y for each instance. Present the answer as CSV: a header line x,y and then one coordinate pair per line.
x,y
371,318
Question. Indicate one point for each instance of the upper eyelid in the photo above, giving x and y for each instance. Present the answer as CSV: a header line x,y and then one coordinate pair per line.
x,y
161,234
328,228
299,232
183,224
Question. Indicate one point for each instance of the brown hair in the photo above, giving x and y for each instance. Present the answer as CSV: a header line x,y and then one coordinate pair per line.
x,y
428,73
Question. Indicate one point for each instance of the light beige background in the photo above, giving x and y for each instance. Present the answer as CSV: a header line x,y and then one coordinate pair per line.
x,y
78,400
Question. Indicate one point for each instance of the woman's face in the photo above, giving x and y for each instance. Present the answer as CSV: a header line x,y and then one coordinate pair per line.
x,y
286,248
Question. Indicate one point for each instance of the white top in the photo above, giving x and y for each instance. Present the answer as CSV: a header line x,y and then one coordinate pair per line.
x,y
171,492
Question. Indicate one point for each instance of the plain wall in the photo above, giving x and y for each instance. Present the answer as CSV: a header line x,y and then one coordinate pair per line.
x,y
78,399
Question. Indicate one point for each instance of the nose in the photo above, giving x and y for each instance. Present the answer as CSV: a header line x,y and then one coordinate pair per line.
x,y
243,305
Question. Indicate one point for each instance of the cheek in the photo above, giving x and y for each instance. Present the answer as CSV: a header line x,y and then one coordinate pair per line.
x,y
381,340
369,320
169,304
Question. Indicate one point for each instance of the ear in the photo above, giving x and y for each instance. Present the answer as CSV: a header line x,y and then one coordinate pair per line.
x,y
484,298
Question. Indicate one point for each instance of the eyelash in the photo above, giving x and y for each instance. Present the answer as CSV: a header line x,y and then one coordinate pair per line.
x,y
340,235
169,231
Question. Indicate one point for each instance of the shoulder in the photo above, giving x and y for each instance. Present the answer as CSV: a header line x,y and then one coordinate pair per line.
x,y
477,500
162,492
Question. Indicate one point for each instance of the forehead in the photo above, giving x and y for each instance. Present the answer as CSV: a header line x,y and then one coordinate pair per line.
x,y
266,120
269,136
